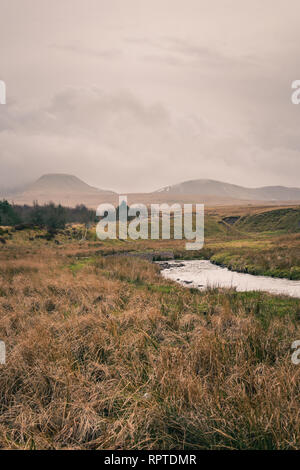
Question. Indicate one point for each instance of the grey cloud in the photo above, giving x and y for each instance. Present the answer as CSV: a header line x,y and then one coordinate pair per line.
x,y
181,52
118,142
208,91
88,51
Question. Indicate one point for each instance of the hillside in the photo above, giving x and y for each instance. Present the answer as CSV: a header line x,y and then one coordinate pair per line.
x,y
279,219
62,183
206,187
62,188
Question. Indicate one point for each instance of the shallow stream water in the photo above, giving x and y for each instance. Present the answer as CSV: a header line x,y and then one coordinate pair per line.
x,y
202,274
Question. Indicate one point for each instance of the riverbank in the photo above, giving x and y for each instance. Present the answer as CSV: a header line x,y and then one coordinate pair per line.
x,y
202,274
278,258
270,255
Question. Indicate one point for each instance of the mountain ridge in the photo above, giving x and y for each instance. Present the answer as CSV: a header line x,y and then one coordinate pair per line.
x,y
62,182
61,188
70,190
208,187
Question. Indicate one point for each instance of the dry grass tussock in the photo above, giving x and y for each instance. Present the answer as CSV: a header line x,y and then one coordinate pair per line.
x,y
104,354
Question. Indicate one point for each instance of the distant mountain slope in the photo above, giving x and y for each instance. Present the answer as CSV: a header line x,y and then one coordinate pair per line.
x,y
62,183
62,188
207,187
71,191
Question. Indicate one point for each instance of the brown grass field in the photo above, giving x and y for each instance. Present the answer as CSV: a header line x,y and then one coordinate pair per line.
x,y
102,353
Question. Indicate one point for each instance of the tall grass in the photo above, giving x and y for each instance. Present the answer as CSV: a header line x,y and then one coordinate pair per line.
x,y
111,356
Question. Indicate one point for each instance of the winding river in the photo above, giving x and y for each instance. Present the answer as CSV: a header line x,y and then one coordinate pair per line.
x,y
202,274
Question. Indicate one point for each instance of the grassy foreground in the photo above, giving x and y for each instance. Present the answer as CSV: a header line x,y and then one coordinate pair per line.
x,y
102,353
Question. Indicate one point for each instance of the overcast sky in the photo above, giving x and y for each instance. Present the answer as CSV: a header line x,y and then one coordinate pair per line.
x,y
133,95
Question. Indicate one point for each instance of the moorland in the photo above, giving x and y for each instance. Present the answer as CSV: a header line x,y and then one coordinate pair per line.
x,y
103,353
